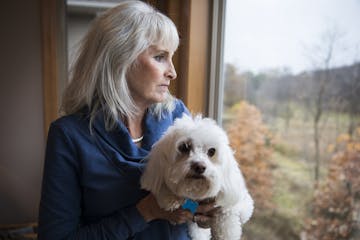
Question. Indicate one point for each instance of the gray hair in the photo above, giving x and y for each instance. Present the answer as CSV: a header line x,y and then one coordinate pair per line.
x,y
114,41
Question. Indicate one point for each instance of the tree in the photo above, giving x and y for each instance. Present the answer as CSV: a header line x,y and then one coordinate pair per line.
x,y
251,141
234,86
322,56
336,206
353,98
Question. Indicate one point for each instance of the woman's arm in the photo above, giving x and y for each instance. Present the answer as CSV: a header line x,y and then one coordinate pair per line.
x,y
60,206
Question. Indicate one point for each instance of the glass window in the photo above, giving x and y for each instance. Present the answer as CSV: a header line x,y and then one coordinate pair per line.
x,y
79,15
291,107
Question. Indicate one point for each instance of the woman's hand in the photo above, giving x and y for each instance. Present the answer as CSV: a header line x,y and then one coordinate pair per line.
x,y
150,210
205,213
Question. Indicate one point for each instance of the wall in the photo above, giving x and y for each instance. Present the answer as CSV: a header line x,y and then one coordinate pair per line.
x,y
21,122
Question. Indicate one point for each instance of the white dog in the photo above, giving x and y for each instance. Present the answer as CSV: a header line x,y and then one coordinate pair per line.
x,y
193,160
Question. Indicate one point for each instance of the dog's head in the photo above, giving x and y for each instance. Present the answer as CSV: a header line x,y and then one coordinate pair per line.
x,y
193,160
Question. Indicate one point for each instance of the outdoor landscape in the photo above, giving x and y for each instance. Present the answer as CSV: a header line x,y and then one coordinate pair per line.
x,y
297,140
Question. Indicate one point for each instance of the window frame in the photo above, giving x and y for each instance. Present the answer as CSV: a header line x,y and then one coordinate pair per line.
x,y
216,69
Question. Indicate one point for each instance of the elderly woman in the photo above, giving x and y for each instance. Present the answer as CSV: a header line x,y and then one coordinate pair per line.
x,y
116,106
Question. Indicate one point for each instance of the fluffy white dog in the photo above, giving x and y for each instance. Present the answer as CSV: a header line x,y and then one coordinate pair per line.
x,y
193,160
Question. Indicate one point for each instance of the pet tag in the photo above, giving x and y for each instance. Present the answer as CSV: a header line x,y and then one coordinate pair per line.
x,y
190,205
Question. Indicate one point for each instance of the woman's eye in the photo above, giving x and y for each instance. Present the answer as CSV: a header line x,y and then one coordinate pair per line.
x,y
159,58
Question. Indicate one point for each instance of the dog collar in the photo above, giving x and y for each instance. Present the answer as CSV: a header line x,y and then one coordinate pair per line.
x,y
190,205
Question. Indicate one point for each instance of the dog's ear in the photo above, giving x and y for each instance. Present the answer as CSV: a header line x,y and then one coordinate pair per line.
x,y
153,176
234,189
232,179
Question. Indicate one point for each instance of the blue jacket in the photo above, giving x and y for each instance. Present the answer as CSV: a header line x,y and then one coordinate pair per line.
x,y
91,181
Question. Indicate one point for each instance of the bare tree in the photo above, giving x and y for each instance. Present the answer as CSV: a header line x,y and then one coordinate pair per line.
x,y
353,94
322,56
235,87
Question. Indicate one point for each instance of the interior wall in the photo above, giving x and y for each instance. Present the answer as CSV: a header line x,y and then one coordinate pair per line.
x,y
22,140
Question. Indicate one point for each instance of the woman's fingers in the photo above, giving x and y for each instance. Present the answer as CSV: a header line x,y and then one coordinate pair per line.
x,y
202,221
205,213
150,209
205,208
179,216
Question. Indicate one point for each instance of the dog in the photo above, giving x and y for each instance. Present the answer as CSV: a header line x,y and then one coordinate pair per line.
x,y
193,160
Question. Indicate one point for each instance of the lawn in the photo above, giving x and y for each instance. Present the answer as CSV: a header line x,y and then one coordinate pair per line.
x,y
293,171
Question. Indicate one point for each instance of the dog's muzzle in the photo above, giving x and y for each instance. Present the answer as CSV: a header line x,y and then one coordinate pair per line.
x,y
198,168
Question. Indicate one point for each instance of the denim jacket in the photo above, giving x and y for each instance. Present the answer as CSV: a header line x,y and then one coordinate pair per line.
x,y
91,181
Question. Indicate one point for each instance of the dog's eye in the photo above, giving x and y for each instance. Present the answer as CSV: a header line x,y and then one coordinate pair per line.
x,y
184,147
211,152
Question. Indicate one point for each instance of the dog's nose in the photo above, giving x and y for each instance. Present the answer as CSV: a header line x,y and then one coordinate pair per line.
x,y
198,167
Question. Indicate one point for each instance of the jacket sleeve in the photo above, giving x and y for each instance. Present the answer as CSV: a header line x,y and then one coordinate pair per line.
x,y
60,204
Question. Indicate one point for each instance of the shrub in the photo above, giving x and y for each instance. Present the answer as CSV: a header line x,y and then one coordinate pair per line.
x,y
336,205
251,141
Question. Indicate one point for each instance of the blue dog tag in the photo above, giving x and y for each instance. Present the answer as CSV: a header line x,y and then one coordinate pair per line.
x,y
190,205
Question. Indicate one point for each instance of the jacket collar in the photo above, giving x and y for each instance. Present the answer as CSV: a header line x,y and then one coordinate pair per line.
x,y
119,137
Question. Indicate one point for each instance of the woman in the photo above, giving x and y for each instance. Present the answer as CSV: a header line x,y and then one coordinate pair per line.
x,y
116,107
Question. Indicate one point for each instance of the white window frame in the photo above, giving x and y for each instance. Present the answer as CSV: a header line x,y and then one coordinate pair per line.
x,y
216,76
88,7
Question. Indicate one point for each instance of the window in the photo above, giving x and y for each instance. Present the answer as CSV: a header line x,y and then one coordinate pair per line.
x,y
79,15
290,104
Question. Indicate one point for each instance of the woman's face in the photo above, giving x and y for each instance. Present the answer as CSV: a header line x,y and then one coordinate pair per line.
x,y
150,78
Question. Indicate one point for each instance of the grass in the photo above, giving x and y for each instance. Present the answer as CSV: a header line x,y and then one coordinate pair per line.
x,y
293,186
292,191
293,174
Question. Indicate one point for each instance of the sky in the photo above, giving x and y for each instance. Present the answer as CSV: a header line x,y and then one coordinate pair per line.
x,y
267,34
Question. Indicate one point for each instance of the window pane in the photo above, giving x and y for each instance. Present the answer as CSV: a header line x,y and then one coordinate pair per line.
x,y
291,107
80,13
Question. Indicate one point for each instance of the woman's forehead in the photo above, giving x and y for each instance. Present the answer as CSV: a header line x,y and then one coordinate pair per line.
x,y
160,48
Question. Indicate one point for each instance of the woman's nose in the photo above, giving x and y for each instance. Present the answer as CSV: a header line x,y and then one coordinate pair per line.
x,y
171,73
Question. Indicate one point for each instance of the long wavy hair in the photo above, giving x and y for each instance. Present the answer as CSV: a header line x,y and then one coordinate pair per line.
x,y
107,52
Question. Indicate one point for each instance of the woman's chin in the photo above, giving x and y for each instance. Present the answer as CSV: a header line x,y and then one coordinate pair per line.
x,y
161,98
